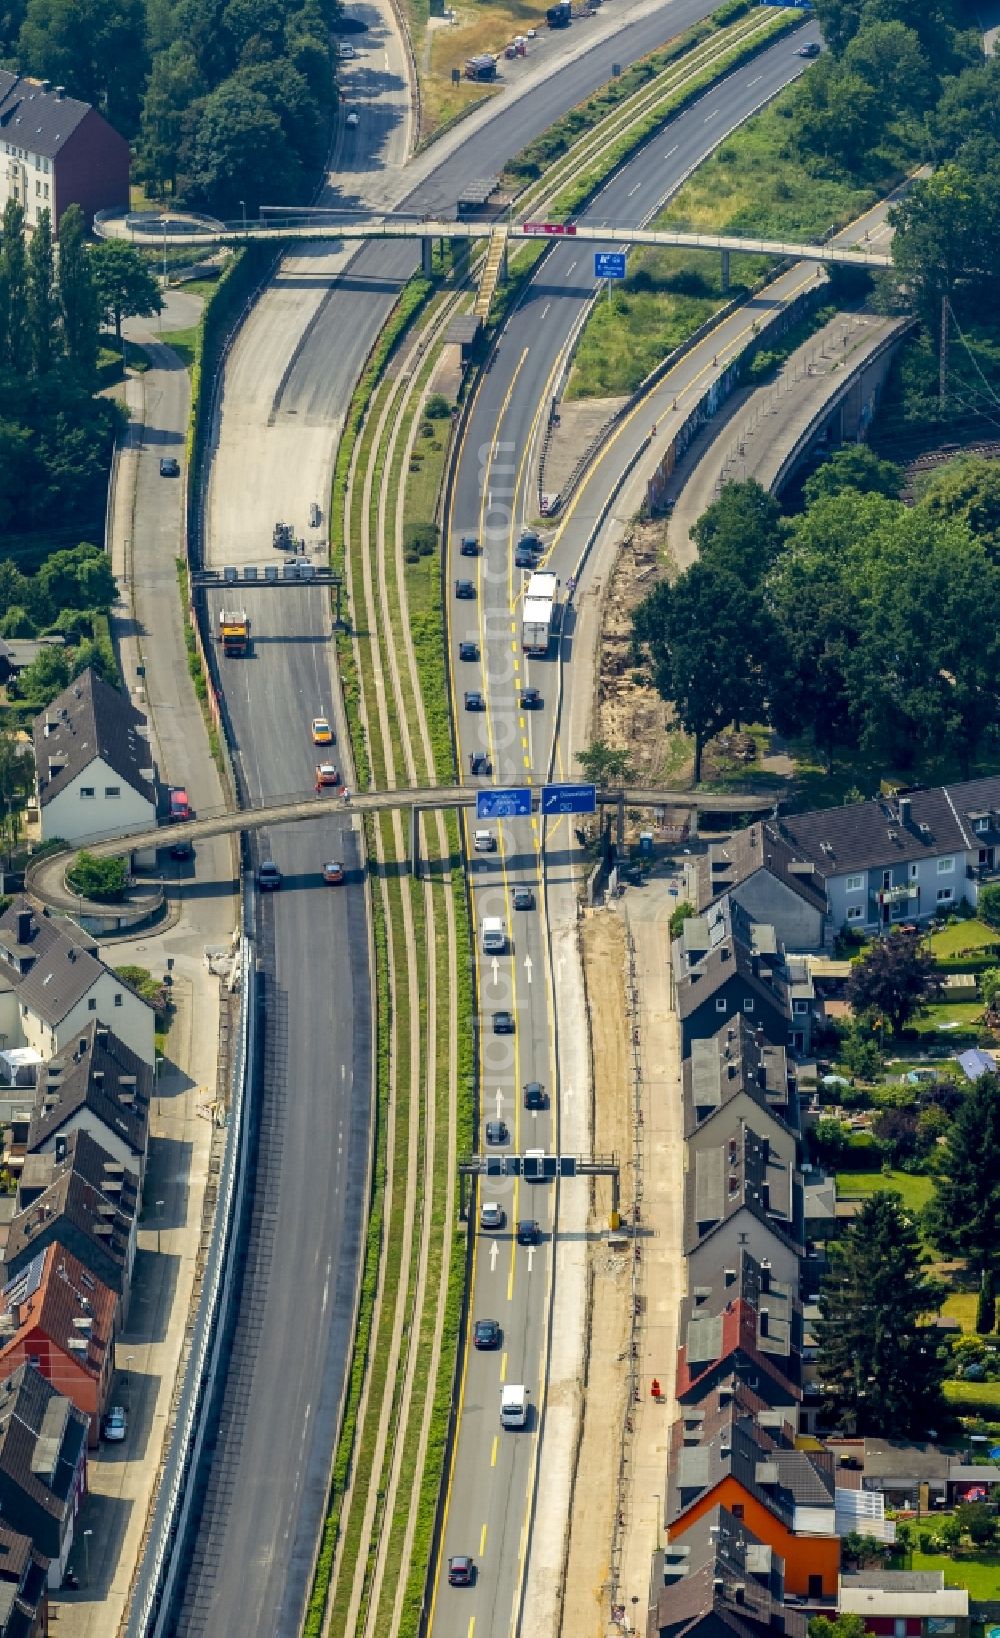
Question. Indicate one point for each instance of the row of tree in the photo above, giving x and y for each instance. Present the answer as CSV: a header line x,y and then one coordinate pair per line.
x,y
859,622
225,101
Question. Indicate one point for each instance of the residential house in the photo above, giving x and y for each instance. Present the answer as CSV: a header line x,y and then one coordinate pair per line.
x,y
725,965
96,1085
762,871
53,983
741,1455
905,1603
24,1596
58,1317
742,1190
43,1464
93,764
907,1475
58,152
744,1324
83,1200
721,1581
737,1062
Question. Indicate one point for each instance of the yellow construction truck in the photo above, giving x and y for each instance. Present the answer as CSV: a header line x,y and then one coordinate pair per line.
x,y
234,631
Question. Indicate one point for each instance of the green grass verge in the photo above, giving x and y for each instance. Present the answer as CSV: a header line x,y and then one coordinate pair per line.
x,y
974,1398
963,939
979,1572
195,671
916,1190
962,1306
185,342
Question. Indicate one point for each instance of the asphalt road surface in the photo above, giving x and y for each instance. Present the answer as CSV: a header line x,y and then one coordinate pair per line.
x,y
267,1490
489,1495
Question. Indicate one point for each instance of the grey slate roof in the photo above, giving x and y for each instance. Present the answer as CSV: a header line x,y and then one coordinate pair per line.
x,y
865,835
719,945
90,719
760,847
41,1436
888,1459
895,1580
88,1201
749,1285
756,1447
742,1171
56,965
736,1059
100,1073
35,119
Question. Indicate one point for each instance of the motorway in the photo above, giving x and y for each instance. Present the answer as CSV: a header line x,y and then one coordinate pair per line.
x,y
489,1500
285,392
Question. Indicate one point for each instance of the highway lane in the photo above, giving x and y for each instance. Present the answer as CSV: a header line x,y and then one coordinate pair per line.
x,y
492,1470
295,1311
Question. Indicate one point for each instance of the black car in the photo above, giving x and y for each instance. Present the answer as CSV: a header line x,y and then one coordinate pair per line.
x,y
469,546
487,1334
497,1131
479,763
534,1095
468,651
527,551
531,699
523,898
503,1023
474,700
810,49
465,589
182,850
170,467
461,1571
528,1232
268,876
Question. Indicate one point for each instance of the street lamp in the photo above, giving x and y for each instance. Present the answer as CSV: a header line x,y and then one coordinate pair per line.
x,y
86,1557
128,1379
243,209
159,1216
656,1498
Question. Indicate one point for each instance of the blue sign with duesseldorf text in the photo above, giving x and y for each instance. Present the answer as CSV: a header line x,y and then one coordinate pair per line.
x,y
609,264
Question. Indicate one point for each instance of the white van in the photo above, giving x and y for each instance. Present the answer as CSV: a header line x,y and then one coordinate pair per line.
x,y
513,1405
484,841
494,936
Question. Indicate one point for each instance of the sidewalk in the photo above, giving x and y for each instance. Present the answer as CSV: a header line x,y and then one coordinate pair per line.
x,y
647,912
147,628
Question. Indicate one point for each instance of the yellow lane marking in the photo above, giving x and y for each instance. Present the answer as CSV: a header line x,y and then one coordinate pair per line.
x,y
496,1447
482,1541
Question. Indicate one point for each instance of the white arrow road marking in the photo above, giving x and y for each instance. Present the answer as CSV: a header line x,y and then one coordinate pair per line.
x,y
499,1102
494,1254
531,1253
496,970
527,967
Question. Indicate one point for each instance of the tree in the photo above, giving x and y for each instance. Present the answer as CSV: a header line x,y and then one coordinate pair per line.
x,y
142,981
705,637
79,577
989,986
965,1212
841,1626
174,83
740,532
605,764
237,152
968,489
123,283
877,1358
13,277
95,654
989,904
968,108
43,308
95,47
103,879
945,239
44,678
895,978
77,297
895,1132
977,1520
859,1050
829,1141
678,916
17,780
854,467
986,1304
890,56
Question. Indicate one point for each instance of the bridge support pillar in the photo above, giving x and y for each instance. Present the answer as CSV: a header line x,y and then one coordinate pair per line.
x,y
621,823
415,843
427,257
725,271
460,258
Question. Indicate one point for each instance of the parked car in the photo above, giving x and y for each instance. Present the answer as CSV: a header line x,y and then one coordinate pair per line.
x,y
170,466
497,1131
461,1571
115,1425
503,1023
491,1215
534,1095
352,122
468,651
346,51
528,1232
269,877
333,872
523,898
486,1333
465,589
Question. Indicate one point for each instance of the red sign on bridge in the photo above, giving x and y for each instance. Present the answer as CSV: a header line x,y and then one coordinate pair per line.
x,y
557,229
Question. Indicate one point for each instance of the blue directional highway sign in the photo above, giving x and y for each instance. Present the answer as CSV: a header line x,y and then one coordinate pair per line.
x,y
569,799
512,803
609,264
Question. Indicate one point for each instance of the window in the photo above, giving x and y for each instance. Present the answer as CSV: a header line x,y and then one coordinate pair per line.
x,y
913,872
748,1003
855,884
887,878
737,1510
92,1005
118,999
38,190
946,866
800,1006
720,1005
46,190
112,790
945,895
35,1360
815,1586
855,912
86,790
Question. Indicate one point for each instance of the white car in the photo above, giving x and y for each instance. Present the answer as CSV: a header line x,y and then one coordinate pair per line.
x,y
352,122
491,1215
347,52
115,1425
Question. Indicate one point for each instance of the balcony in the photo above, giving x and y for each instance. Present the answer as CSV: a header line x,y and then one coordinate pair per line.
x,y
983,872
897,894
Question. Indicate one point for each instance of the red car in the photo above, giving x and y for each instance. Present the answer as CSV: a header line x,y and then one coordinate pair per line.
x,y
180,807
461,1571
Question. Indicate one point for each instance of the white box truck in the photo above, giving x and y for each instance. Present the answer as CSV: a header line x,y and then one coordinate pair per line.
x,y
513,1405
494,935
541,613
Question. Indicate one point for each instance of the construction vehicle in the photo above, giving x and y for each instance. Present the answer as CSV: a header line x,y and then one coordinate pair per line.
x,y
483,67
541,614
560,16
234,631
283,539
